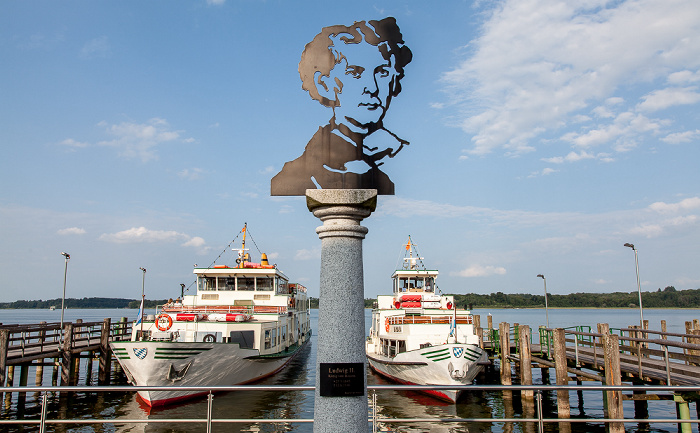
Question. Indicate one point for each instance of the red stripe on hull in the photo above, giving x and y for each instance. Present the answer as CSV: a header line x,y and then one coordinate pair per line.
x,y
433,393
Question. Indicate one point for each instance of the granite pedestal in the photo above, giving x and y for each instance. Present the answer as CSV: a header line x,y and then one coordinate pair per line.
x,y
340,365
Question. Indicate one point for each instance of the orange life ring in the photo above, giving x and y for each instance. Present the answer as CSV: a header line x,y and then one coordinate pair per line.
x,y
164,322
386,324
449,305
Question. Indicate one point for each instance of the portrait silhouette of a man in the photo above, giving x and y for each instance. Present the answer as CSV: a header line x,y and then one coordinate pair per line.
x,y
356,71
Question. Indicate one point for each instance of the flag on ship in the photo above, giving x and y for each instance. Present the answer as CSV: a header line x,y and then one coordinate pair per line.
x,y
139,318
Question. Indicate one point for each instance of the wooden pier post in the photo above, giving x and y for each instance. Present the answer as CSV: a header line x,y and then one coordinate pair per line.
x,y
77,330
613,399
562,375
67,355
23,377
663,329
105,366
39,376
489,322
477,329
525,362
504,342
10,382
4,344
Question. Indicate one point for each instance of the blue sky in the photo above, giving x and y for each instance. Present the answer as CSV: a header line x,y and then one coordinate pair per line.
x,y
544,135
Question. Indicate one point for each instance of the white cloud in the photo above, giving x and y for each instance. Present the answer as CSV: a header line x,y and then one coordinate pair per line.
x,y
194,242
683,205
480,271
216,2
142,234
669,97
190,173
651,230
538,64
139,140
681,137
310,254
98,47
73,143
72,231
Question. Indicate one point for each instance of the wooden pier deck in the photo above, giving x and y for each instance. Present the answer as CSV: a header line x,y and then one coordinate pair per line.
x,y
610,356
47,344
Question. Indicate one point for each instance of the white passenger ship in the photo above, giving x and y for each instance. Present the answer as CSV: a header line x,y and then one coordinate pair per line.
x,y
418,337
245,323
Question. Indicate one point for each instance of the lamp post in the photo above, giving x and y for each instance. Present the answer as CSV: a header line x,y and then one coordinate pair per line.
x,y
639,287
546,304
143,295
65,276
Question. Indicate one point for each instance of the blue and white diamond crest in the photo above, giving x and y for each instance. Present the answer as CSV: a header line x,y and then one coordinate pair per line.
x,y
140,352
456,351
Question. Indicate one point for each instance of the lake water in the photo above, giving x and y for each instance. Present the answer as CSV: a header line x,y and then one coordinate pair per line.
x,y
301,371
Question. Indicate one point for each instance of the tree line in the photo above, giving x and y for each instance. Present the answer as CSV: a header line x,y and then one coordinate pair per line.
x,y
669,297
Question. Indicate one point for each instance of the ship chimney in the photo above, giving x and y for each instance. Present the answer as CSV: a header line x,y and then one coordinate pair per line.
x,y
263,260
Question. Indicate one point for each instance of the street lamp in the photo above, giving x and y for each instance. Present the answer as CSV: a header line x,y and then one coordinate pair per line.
x,y
63,298
546,304
143,295
639,287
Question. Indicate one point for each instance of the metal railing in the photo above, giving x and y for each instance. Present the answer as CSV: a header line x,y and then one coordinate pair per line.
x,y
374,394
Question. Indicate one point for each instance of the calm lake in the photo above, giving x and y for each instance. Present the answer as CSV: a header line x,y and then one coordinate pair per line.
x,y
302,372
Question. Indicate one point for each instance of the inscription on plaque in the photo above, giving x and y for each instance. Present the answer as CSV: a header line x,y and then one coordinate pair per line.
x,y
340,379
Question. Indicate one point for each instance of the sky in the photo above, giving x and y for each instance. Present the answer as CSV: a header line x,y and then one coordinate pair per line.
x,y
544,135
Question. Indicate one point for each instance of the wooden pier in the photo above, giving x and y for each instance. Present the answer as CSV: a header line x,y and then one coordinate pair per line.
x,y
636,355
46,344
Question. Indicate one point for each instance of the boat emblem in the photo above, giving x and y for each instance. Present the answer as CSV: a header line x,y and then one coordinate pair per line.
x,y
458,351
140,352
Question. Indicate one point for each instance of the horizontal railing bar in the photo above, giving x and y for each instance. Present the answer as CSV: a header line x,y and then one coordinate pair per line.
x,y
90,389
384,420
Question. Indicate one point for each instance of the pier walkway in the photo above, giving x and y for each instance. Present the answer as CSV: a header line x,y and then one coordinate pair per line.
x,y
636,355
47,344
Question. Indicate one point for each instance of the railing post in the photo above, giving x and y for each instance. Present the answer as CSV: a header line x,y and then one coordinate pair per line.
x,y
668,366
540,422
210,403
44,404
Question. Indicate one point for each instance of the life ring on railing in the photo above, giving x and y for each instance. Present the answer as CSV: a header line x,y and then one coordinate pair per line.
x,y
386,324
397,304
209,338
164,322
449,305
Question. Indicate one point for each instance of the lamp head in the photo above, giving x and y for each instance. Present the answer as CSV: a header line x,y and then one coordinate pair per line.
x,y
629,245
66,255
540,276
143,269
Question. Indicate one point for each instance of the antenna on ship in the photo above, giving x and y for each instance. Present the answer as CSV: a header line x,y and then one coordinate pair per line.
x,y
410,260
241,251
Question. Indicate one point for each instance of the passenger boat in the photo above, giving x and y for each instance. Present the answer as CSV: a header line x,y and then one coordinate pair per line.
x,y
244,323
419,337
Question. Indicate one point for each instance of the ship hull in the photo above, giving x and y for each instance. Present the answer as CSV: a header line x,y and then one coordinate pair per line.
x,y
448,364
176,364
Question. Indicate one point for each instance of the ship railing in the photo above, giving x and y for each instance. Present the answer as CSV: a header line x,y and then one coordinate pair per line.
x,y
208,309
49,414
427,319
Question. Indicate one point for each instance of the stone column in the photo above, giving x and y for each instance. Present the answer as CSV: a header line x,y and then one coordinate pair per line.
x,y
340,404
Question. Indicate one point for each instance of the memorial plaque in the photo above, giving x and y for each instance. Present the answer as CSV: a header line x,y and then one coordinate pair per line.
x,y
342,379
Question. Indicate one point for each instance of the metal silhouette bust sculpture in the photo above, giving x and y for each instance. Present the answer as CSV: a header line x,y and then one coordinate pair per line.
x,y
348,151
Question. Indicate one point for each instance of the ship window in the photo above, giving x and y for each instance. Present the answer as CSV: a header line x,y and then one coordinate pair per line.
x,y
245,339
227,283
282,286
207,283
429,282
246,283
416,284
403,284
263,284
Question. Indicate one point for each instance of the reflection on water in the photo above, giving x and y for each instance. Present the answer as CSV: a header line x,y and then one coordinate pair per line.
x,y
301,371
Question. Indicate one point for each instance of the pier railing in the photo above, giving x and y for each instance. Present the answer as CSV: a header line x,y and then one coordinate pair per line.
x,y
378,422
